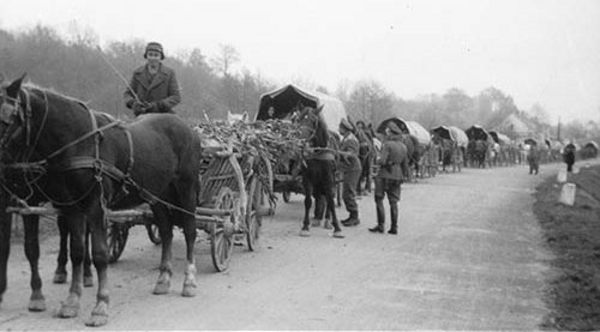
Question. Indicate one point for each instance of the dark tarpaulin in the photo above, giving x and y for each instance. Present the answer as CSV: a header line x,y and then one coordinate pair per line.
x,y
477,132
284,101
443,132
530,141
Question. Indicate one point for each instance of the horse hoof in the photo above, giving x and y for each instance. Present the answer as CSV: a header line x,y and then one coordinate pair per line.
x,y
88,281
161,288
338,235
189,291
60,278
37,305
68,310
96,320
327,224
316,223
304,233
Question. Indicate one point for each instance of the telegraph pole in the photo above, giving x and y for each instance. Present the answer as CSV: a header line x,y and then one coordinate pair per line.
x,y
558,130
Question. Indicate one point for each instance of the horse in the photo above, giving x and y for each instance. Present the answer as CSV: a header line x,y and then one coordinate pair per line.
x,y
232,118
93,163
318,170
414,154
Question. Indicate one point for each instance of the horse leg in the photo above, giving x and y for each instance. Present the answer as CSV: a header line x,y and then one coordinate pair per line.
x,y
308,191
166,234
189,230
5,232
319,210
60,274
88,278
96,229
37,302
337,230
77,228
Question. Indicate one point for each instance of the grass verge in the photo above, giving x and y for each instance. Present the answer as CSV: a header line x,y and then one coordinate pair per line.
x,y
572,233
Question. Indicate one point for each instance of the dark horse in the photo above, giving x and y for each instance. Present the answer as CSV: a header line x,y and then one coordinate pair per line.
x,y
90,163
318,172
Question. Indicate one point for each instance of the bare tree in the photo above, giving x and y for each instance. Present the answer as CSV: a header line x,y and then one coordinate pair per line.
x,y
227,57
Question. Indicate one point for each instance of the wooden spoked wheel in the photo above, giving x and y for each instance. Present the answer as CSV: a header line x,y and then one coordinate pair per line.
x,y
253,218
116,238
221,234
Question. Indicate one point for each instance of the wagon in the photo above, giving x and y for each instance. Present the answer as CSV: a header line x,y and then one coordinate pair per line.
x,y
459,141
423,138
229,207
281,104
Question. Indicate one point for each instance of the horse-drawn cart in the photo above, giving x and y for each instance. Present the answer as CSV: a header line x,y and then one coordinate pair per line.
x,y
229,205
281,104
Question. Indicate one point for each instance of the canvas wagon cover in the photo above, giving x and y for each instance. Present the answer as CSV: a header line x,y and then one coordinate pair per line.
x,y
285,99
499,137
477,132
453,133
408,127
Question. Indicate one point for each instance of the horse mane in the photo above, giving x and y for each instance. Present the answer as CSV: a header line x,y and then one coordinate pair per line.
x,y
321,137
53,92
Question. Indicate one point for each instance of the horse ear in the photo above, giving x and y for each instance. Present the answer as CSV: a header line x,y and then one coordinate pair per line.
x,y
319,109
15,86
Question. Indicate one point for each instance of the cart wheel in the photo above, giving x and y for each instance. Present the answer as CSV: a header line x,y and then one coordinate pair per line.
x,y
153,233
253,219
286,196
116,238
221,234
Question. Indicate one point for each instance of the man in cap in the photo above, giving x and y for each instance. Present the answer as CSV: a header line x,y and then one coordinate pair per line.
x,y
393,167
350,166
153,87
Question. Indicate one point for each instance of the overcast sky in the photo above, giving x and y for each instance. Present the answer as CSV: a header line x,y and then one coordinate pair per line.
x,y
535,50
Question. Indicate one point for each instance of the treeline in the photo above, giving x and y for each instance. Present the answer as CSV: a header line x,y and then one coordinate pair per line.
x,y
77,67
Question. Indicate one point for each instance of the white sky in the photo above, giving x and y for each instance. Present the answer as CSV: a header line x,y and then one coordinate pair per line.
x,y
544,51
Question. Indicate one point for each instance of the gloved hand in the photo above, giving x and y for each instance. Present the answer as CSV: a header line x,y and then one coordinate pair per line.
x,y
152,107
138,108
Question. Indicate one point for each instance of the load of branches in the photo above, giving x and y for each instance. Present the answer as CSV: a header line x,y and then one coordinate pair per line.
x,y
269,141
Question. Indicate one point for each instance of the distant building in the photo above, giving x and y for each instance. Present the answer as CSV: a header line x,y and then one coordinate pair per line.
x,y
516,127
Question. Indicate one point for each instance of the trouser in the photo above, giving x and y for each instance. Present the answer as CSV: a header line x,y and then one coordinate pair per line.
x,y
391,188
349,191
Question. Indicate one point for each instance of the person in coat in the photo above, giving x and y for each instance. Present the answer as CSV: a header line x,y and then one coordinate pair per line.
x,y
351,168
393,168
569,156
533,159
153,87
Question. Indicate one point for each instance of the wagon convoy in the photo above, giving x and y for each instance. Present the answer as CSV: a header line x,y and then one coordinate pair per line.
x,y
242,165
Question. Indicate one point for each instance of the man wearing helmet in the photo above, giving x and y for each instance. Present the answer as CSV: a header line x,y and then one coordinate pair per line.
x,y
153,87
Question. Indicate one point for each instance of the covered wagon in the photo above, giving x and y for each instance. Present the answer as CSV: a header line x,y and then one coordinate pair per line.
x,y
281,104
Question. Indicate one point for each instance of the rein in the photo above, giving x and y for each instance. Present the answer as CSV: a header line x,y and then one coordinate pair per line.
x,y
100,166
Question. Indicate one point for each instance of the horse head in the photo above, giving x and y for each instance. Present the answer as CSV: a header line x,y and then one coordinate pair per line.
x,y
233,118
312,126
12,113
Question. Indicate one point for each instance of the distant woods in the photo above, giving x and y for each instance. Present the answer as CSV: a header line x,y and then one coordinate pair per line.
x,y
76,66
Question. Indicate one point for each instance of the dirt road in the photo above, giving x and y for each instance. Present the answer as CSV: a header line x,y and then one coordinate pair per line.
x,y
469,256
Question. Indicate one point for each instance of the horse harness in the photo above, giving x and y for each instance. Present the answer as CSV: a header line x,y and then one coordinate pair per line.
x,y
100,166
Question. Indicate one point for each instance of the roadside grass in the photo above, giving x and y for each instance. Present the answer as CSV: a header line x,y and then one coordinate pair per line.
x,y
573,236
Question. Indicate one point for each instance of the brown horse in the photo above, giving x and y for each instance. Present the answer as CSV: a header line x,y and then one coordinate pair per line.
x,y
318,172
91,163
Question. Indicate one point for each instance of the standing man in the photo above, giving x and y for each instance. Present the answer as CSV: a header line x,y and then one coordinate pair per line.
x,y
569,156
153,87
350,166
393,168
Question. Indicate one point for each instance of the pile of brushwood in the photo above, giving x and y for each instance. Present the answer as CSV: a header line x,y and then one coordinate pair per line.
x,y
272,140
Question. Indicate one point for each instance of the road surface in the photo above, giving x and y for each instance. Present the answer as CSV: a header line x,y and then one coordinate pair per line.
x,y
469,255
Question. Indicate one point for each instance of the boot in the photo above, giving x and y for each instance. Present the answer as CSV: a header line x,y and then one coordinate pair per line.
x,y
377,229
394,219
353,221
